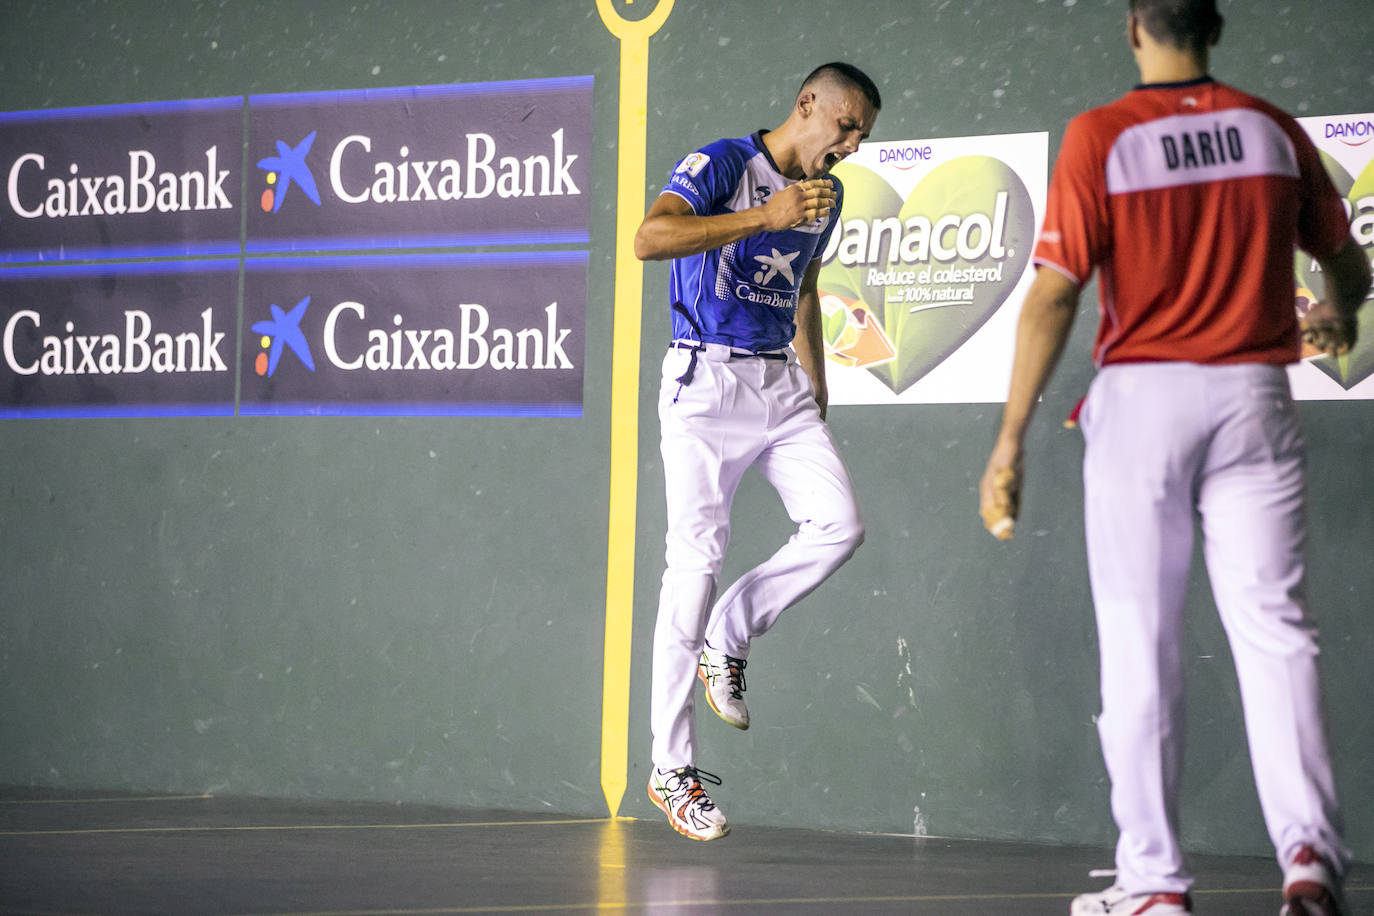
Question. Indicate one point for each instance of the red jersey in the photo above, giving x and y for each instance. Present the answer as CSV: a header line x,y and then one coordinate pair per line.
x,y
1190,197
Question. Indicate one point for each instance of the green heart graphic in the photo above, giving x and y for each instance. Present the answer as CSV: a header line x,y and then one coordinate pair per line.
x,y
1357,365
934,268
867,197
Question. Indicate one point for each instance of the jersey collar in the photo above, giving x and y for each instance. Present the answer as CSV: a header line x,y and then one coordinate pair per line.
x,y
1184,84
763,148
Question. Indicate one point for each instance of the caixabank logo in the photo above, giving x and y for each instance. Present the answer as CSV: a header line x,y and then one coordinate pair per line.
x,y
288,166
144,339
139,180
280,333
434,166
444,334
459,166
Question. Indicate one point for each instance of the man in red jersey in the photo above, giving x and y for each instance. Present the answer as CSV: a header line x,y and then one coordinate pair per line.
x,y
1188,196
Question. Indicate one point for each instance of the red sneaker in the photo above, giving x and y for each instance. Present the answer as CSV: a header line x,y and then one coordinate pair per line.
x,y
1310,887
1114,901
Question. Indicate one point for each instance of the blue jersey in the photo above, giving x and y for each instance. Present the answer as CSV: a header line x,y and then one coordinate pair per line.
x,y
745,293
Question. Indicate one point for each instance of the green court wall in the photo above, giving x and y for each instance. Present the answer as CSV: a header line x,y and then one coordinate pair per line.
x,y
412,609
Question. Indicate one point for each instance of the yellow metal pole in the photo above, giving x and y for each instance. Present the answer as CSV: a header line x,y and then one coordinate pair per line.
x,y
629,290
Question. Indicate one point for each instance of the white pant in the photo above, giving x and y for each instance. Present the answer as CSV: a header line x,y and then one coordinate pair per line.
x,y
734,414
1168,442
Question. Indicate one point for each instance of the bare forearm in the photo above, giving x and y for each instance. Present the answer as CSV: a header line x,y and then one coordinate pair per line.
x,y
672,230
1046,319
672,235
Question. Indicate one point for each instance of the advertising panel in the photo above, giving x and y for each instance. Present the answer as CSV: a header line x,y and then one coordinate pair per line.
x,y
120,181
922,282
442,335
1346,143
472,166
478,164
150,339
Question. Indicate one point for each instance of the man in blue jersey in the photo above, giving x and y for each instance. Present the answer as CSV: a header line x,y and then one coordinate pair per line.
x,y
744,222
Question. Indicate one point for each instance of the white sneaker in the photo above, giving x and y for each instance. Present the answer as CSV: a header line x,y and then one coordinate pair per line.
x,y
678,794
1115,901
1310,888
723,676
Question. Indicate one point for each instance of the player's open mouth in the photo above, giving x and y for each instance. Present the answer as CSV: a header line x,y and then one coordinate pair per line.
x,y
832,160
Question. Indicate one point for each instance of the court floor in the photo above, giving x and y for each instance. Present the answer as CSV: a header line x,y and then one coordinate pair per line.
x,y
91,853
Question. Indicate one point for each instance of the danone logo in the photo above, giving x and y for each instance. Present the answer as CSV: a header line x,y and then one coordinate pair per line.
x,y
905,156
1351,133
1358,193
905,282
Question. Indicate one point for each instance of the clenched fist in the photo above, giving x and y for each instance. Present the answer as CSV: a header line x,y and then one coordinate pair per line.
x,y
1328,330
801,203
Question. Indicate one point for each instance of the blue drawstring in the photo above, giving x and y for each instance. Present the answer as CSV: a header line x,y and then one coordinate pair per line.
x,y
686,377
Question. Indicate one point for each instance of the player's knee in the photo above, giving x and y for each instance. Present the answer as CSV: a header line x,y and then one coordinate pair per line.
x,y
856,536
846,534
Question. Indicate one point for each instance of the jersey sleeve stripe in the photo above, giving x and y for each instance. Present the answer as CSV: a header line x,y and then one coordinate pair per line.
x,y
677,193
1039,261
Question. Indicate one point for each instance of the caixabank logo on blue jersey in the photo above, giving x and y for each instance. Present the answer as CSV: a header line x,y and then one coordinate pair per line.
x,y
441,334
437,166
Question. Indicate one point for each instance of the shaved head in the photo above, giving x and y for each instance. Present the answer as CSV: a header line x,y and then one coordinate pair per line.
x,y
846,76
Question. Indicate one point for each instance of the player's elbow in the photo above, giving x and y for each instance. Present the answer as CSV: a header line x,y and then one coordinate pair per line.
x,y
646,247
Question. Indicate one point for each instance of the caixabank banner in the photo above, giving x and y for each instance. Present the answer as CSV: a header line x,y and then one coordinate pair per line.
x,y
144,180
921,284
306,201
418,334
143,339
1346,143
461,165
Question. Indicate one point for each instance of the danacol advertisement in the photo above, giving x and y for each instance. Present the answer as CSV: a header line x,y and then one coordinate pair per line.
x,y
1346,143
922,282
